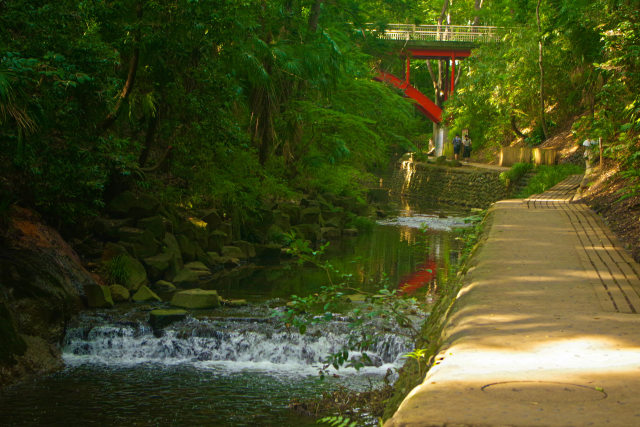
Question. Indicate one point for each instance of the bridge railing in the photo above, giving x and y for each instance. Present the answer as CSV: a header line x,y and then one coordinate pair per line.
x,y
442,33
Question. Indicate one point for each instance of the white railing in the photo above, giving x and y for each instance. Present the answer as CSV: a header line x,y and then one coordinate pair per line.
x,y
441,33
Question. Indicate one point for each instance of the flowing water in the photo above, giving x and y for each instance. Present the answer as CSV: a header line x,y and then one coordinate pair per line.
x,y
233,367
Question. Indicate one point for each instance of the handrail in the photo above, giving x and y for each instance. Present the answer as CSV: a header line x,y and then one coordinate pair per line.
x,y
446,33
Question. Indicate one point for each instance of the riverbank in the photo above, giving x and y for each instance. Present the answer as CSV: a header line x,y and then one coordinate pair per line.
x,y
549,340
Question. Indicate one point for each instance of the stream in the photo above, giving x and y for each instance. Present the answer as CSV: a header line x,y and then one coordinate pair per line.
x,y
238,366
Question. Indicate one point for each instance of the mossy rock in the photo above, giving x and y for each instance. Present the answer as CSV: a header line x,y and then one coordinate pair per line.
x,y
247,248
157,265
196,298
119,293
134,274
171,246
282,220
164,289
187,247
197,266
160,319
311,215
233,252
107,228
154,224
145,294
111,250
212,218
188,278
98,296
217,240
308,231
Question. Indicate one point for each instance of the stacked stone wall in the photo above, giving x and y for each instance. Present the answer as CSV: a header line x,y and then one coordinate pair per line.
x,y
460,186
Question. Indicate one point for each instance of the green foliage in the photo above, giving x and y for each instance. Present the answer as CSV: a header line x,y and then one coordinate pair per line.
x,y
232,104
418,355
547,176
515,173
386,304
115,270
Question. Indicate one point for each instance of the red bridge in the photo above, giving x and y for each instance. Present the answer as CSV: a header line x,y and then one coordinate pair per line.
x,y
449,42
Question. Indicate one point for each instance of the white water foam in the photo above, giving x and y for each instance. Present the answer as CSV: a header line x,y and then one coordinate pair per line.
x,y
432,222
233,346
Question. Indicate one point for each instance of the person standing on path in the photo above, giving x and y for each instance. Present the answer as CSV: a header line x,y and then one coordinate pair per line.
x,y
466,143
457,145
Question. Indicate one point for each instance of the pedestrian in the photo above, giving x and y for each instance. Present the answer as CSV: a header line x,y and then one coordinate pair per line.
x,y
466,143
457,145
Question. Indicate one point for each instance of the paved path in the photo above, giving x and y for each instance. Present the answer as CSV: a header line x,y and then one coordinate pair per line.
x,y
546,330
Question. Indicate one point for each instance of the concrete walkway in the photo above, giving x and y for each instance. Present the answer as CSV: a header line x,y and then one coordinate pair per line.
x,y
546,330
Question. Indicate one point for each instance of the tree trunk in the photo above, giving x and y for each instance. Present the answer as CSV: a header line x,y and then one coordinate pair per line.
x,y
477,7
148,140
514,127
314,17
541,65
131,76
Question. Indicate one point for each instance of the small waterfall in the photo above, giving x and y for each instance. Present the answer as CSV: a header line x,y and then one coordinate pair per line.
x,y
230,344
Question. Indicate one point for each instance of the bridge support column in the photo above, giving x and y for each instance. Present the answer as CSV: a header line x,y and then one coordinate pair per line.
x,y
439,138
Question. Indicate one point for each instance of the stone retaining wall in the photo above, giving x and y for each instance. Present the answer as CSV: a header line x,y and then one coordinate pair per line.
x,y
462,186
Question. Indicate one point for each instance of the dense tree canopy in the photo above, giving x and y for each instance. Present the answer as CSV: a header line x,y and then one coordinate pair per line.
x,y
234,103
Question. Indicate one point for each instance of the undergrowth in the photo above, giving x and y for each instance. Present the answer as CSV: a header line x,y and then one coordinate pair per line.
x,y
547,176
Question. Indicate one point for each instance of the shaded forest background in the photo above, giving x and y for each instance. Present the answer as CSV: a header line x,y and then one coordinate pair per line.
x,y
235,104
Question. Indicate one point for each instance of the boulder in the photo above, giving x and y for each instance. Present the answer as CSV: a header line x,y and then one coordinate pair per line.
x,y
212,219
311,215
160,319
188,278
154,224
130,234
145,294
215,260
157,265
142,242
233,252
119,293
42,281
132,273
111,250
197,266
127,204
282,220
247,248
98,296
107,228
292,211
196,298
164,289
217,240
187,247
235,302
308,231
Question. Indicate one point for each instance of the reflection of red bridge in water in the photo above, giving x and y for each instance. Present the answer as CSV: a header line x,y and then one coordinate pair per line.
x,y
422,277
